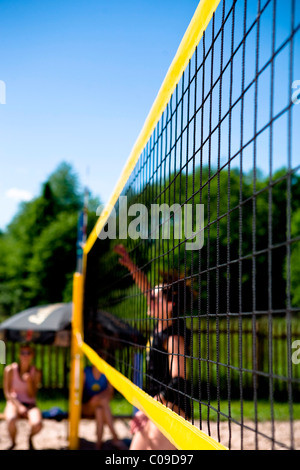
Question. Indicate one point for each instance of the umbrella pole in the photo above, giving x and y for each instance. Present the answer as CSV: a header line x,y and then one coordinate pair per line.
x,y
76,376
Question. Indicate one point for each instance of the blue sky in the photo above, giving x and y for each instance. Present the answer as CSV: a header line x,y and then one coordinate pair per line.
x,y
81,77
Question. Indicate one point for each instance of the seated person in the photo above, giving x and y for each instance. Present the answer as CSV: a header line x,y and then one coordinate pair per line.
x,y
21,382
97,393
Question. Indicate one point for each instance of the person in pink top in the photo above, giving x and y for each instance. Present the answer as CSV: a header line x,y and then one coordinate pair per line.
x,y
21,382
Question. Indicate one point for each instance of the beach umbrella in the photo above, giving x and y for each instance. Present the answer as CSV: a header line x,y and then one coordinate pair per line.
x,y
47,324
108,331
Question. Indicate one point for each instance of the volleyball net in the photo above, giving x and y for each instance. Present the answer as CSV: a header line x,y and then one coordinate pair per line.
x,y
189,295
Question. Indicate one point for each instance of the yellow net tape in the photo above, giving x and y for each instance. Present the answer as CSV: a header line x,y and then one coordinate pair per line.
x,y
191,39
182,434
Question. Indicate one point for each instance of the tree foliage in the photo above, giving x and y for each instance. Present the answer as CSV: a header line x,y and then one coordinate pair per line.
x,y
38,248
244,264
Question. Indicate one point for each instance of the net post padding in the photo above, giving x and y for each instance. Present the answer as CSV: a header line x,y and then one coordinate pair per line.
x,y
76,375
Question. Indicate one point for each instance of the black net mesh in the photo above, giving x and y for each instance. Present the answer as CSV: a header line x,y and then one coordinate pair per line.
x,y
211,330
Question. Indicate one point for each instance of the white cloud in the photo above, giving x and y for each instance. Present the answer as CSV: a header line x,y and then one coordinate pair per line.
x,y
18,195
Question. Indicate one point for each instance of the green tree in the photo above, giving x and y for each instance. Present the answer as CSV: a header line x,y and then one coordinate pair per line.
x,y
295,260
245,224
38,249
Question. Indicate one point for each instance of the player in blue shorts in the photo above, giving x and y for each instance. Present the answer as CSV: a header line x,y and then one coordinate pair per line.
x,y
97,393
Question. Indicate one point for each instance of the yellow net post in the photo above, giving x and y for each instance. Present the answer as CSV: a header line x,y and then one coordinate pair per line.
x,y
76,376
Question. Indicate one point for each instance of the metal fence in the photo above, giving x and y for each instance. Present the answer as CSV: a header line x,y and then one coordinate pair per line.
x,y
53,361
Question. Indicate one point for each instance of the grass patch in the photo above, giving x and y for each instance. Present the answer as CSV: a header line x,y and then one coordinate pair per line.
x,y
281,411
46,399
55,398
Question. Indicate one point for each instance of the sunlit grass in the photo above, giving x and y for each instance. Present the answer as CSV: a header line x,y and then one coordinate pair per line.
x,y
281,411
120,406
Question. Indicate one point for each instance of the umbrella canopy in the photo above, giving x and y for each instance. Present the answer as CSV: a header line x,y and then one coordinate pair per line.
x,y
38,324
106,330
